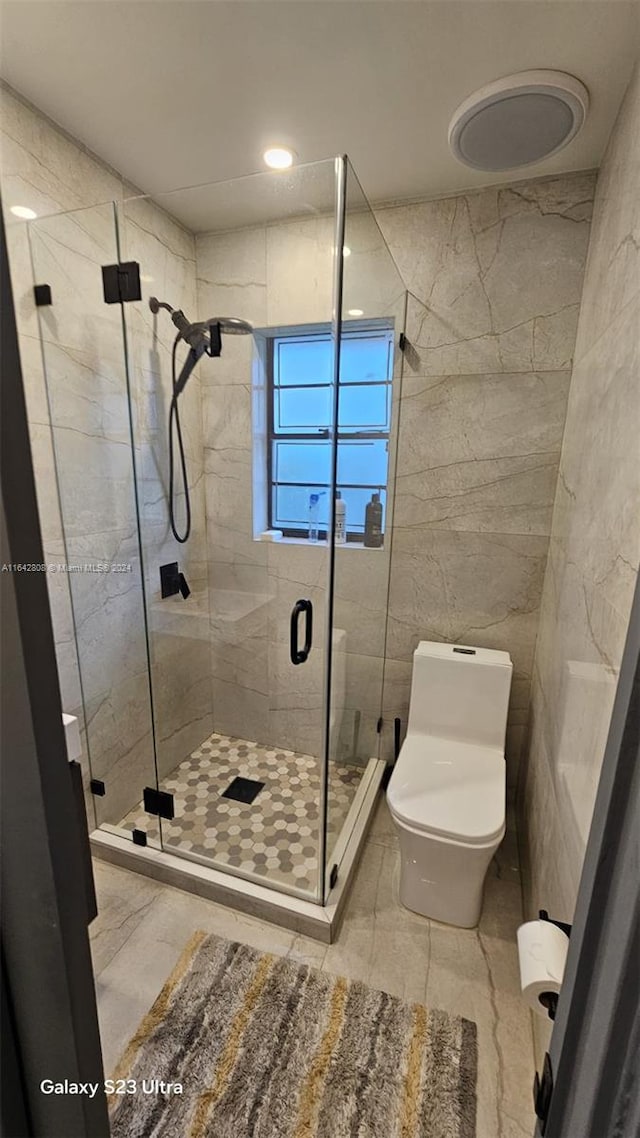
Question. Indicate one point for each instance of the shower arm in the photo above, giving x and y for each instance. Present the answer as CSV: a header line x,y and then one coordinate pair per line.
x,y
214,327
205,336
195,335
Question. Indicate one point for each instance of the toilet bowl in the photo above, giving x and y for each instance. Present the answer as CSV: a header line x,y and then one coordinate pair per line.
x,y
447,791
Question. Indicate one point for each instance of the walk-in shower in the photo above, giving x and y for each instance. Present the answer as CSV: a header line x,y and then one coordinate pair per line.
x,y
232,730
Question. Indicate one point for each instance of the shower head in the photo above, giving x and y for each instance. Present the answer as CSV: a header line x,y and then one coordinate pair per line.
x,y
203,337
228,325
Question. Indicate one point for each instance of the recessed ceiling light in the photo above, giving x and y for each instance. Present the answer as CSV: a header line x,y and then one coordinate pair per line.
x,y
355,312
518,120
278,157
147,280
346,252
24,212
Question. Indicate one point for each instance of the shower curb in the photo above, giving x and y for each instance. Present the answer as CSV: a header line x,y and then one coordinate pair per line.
x,y
300,916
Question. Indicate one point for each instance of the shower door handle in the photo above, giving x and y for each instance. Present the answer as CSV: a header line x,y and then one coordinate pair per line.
x,y
299,655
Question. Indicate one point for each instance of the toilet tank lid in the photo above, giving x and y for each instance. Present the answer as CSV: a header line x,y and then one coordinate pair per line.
x,y
463,652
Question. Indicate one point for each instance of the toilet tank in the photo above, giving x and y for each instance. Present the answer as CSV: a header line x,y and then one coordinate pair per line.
x,y
460,692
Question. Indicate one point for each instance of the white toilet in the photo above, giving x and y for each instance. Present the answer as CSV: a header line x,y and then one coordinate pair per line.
x,y
447,791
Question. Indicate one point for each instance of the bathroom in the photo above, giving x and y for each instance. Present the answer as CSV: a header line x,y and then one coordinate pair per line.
x,y
335,455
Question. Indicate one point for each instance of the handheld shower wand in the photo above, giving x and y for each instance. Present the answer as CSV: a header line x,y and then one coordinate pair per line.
x,y
203,338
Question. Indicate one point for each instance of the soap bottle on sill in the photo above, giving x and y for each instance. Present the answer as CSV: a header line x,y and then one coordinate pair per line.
x,y
340,520
373,523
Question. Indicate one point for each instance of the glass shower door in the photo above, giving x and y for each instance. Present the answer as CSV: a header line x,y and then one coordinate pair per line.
x,y
237,671
372,314
89,516
238,665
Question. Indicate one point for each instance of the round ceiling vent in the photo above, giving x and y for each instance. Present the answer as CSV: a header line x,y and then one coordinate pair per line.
x,y
518,120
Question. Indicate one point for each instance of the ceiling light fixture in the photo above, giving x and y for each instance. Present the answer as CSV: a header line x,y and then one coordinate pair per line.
x,y
355,312
278,157
346,252
518,120
23,212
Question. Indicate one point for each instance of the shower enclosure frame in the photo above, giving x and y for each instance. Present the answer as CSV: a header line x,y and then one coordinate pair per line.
x,y
190,870
338,261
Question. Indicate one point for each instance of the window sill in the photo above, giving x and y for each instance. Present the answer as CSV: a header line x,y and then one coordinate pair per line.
x,y
322,544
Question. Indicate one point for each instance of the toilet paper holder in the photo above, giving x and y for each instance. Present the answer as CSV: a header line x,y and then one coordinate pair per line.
x,y
549,1000
544,916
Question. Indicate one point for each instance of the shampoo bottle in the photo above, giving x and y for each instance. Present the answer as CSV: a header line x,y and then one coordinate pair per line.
x,y
341,520
373,523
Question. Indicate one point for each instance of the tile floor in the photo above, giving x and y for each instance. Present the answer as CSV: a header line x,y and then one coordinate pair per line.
x,y
276,835
142,927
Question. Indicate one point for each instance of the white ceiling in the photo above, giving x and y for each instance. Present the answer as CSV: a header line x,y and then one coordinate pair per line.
x,y
175,93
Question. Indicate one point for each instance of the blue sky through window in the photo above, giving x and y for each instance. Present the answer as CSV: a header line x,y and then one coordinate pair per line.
x,y
302,392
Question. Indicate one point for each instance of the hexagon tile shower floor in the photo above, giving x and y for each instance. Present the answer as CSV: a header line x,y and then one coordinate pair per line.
x,y
275,835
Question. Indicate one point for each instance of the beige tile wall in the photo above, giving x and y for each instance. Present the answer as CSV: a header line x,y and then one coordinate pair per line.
x,y
85,364
281,275
495,280
595,542
178,629
277,275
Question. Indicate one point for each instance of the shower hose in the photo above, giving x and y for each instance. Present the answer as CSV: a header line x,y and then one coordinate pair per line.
x,y
174,424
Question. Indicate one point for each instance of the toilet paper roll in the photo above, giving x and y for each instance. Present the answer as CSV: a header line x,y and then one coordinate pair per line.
x,y
542,952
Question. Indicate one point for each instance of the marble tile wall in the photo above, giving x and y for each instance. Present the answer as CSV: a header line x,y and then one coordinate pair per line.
x,y
44,170
595,543
271,276
178,639
281,275
98,618
495,279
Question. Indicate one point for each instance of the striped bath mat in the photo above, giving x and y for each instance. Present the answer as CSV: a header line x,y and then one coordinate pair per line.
x,y
263,1047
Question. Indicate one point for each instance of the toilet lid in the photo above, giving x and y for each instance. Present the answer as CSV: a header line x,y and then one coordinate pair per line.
x,y
449,788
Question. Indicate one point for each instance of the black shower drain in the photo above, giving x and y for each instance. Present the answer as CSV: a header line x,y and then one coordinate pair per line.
x,y
243,789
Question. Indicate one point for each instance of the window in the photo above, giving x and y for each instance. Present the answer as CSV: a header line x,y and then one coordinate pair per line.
x,y
300,416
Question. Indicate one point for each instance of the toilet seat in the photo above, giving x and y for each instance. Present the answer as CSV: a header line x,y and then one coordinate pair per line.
x,y
449,789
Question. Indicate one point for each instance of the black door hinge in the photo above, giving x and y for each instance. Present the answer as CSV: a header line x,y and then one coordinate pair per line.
x,y
158,802
139,837
42,295
402,341
121,282
333,877
379,726
97,787
542,1091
